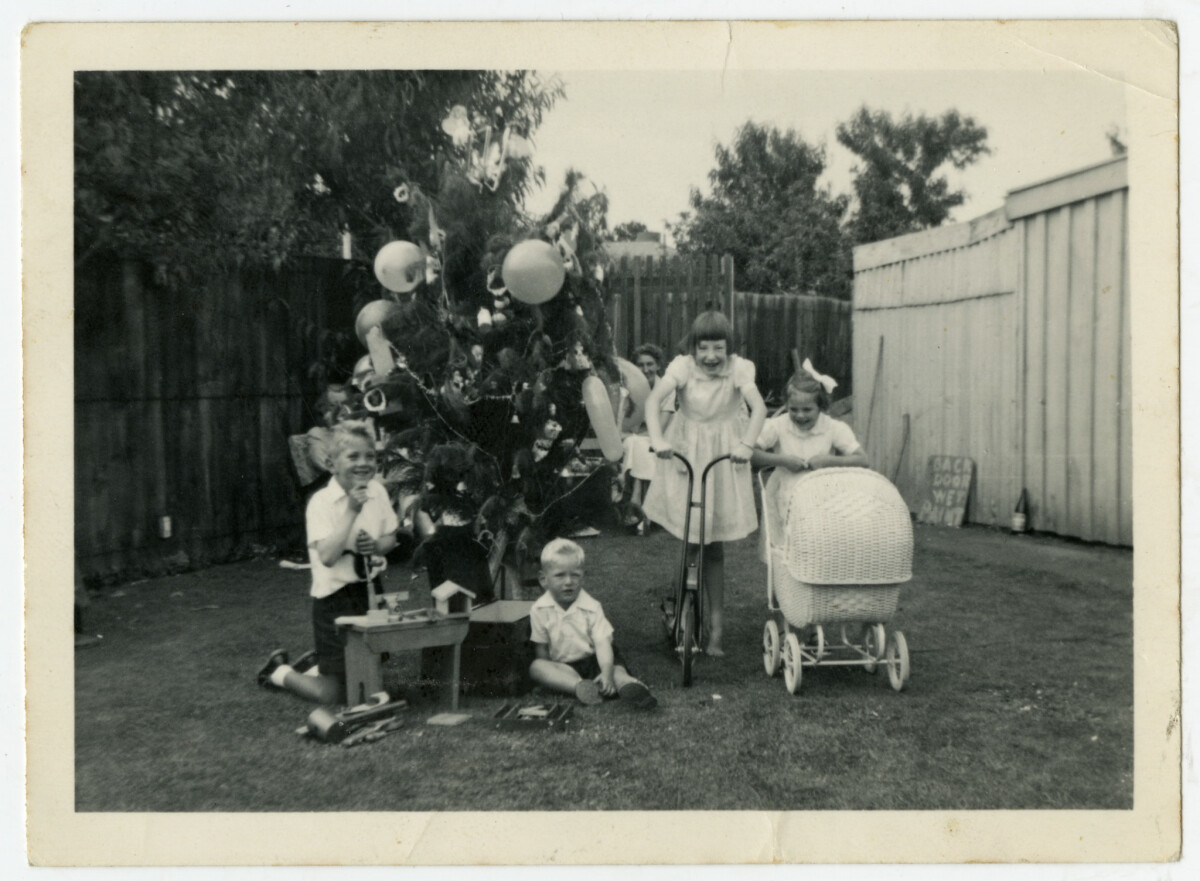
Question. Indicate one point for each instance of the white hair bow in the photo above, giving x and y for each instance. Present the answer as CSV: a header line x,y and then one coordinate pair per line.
x,y
828,382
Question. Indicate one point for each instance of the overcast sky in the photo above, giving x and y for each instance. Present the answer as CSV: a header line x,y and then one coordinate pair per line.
x,y
647,137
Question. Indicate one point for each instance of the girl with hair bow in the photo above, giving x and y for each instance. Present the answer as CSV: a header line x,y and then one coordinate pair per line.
x,y
804,437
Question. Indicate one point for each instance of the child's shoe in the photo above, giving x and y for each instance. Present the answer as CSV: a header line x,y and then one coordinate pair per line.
x,y
279,656
638,695
588,692
306,661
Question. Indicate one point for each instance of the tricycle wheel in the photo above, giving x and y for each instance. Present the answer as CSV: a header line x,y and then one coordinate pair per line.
x,y
874,640
668,620
687,641
792,671
771,649
897,660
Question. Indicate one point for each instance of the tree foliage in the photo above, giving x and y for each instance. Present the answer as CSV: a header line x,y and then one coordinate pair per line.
x,y
897,184
203,171
482,411
768,211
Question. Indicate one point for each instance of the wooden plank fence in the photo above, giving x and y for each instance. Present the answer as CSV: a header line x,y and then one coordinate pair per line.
x,y
183,405
655,300
184,402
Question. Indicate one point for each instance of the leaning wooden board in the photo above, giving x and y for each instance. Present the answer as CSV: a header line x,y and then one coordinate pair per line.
x,y
947,491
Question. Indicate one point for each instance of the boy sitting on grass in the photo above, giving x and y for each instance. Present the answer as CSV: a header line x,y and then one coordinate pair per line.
x,y
348,521
572,640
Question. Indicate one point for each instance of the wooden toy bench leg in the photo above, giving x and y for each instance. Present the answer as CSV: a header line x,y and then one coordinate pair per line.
x,y
364,675
455,659
441,667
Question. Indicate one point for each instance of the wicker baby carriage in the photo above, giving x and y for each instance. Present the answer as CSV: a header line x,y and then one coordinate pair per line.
x,y
835,562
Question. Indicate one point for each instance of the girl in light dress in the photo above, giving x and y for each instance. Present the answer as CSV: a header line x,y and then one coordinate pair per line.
x,y
719,410
802,438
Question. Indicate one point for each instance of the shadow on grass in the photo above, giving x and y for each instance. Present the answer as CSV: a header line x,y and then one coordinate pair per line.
x,y
1020,698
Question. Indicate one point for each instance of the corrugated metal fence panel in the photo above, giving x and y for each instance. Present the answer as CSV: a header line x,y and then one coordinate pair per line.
x,y
1010,345
950,369
1077,418
950,327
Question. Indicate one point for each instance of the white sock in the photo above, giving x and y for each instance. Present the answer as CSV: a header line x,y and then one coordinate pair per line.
x,y
278,674
314,670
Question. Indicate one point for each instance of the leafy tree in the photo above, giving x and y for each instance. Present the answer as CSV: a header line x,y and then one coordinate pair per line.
x,y
768,212
628,231
477,393
202,171
897,183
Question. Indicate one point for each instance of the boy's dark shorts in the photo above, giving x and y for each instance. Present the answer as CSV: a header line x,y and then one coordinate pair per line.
x,y
589,668
350,599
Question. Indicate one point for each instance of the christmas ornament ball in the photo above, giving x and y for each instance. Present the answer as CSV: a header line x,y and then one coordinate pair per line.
x,y
533,271
400,266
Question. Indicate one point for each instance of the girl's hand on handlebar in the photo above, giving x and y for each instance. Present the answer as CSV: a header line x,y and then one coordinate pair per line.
x,y
741,453
663,450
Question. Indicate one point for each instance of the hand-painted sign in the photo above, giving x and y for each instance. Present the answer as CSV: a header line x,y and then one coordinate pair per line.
x,y
945,503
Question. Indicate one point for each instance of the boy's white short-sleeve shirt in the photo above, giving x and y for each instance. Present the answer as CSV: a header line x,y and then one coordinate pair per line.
x,y
569,634
327,506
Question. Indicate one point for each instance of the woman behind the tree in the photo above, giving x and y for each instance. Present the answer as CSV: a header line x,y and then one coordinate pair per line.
x,y
714,387
639,463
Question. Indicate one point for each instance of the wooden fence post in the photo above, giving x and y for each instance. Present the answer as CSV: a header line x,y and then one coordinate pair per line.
x,y
727,285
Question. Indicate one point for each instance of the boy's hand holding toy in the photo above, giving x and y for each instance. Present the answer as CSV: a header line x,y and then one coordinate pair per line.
x,y
364,544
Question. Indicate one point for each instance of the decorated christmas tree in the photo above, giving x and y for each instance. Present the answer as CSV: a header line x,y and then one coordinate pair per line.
x,y
489,360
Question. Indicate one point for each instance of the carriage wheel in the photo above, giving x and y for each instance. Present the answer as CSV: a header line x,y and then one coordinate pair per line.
x,y
874,640
771,648
792,672
687,641
897,660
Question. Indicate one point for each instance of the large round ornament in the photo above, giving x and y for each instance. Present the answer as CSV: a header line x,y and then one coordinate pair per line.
x,y
600,414
400,266
533,271
373,315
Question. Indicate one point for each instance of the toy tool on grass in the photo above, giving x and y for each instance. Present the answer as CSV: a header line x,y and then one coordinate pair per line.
x,y
330,727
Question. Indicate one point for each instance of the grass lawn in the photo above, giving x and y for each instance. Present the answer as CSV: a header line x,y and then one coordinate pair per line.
x,y
1021,697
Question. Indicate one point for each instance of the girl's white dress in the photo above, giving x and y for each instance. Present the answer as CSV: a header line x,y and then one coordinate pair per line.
x,y
710,420
638,459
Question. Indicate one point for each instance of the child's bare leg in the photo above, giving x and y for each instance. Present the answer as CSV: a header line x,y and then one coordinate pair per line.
x,y
553,675
318,689
714,585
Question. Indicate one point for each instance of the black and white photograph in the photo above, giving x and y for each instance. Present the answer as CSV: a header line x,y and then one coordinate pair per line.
x,y
657,427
